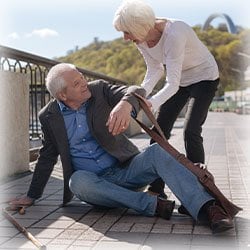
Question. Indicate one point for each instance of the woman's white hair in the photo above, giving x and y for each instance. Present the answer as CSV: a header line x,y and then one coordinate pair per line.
x,y
55,82
135,17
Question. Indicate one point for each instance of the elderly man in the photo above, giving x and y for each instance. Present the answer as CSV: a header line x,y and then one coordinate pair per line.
x,y
84,124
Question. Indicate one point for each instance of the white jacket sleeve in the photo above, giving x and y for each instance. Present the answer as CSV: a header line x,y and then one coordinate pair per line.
x,y
155,71
174,51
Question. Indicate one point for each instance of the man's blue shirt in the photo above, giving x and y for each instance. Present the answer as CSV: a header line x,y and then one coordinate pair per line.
x,y
86,153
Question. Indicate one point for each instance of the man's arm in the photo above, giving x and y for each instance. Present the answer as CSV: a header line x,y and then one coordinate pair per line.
x,y
119,117
121,98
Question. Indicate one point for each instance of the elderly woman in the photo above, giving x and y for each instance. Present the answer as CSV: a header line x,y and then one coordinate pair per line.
x,y
191,72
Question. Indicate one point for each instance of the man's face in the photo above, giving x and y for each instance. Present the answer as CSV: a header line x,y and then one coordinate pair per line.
x,y
76,91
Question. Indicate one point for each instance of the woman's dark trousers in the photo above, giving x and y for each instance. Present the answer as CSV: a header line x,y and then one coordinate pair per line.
x,y
198,98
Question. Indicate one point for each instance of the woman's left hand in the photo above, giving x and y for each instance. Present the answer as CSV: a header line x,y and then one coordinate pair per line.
x,y
148,103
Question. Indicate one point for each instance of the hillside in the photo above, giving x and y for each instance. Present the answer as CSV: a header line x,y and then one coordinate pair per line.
x,y
115,58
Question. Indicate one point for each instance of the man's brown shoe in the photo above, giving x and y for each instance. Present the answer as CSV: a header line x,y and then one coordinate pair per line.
x,y
164,208
218,219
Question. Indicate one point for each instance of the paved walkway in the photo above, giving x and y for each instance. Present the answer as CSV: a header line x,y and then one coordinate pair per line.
x,y
80,226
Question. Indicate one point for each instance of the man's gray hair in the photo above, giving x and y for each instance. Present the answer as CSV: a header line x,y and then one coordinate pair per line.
x,y
135,17
55,82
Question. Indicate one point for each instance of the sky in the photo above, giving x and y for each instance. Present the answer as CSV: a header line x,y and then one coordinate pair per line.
x,y
50,28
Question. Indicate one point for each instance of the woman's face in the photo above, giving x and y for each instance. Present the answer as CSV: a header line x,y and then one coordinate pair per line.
x,y
131,37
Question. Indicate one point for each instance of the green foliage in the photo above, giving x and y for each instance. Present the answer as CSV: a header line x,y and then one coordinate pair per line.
x,y
117,59
122,60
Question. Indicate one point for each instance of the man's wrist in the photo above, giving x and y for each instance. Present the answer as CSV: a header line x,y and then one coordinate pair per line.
x,y
127,104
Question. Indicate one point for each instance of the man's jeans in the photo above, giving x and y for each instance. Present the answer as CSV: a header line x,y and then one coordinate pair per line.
x,y
116,186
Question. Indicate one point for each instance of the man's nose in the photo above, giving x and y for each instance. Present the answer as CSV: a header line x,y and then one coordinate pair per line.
x,y
84,83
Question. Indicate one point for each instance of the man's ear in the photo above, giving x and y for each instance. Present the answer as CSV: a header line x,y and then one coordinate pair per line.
x,y
62,96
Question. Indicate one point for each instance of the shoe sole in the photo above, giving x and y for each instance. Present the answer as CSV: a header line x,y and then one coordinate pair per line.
x,y
221,228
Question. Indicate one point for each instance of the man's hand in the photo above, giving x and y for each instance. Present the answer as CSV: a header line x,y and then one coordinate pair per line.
x,y
21,201
119,118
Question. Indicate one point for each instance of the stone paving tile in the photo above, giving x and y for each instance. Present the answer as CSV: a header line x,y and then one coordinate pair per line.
x,y
164,246
162,228
18,243
213,241
69,234
8,232
121,227
201,230
138,219
91,235
79,226
141,228
135,237
49,203
53,224
83,243
182,229
117,245
202,247
79,248
23,222
4,239
64,242
36,215
166,241
45,233
64,216
57,246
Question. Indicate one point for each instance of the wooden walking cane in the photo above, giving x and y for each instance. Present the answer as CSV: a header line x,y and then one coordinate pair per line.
x,y
23,230
203,175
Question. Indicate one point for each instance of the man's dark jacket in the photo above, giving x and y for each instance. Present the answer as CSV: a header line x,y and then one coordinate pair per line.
x,y
55,142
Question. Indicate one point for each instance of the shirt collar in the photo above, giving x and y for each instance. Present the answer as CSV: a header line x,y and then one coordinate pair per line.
x,y
64,107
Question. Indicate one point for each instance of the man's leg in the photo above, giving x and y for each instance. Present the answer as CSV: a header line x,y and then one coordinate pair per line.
x,y
114,187
96,190
167,116
188,190
183,183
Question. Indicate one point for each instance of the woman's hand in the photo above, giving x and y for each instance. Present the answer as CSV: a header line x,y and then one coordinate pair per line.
x,y
148,103
119,118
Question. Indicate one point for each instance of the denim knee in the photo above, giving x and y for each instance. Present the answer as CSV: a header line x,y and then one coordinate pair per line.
x,y
158,150
79,181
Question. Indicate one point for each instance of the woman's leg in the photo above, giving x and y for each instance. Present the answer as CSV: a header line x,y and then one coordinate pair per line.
x,y
201,96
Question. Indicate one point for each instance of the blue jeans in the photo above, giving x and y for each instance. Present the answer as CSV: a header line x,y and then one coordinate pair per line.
x,y
116,186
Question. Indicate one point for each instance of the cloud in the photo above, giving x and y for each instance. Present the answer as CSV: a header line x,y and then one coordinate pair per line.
x,y
14,36
43,33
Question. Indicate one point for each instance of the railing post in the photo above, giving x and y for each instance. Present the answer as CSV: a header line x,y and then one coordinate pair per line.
x,y
14,123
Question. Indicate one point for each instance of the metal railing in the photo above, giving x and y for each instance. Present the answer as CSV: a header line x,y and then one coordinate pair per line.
x,y
37,68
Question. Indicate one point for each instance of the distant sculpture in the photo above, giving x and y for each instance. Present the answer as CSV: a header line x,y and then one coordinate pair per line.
x,y
230,25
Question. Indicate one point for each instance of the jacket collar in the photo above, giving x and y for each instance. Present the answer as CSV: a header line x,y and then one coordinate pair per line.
x,y
54,107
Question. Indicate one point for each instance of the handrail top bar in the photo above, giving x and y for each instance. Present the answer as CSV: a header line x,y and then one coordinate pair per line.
x,y
43,61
